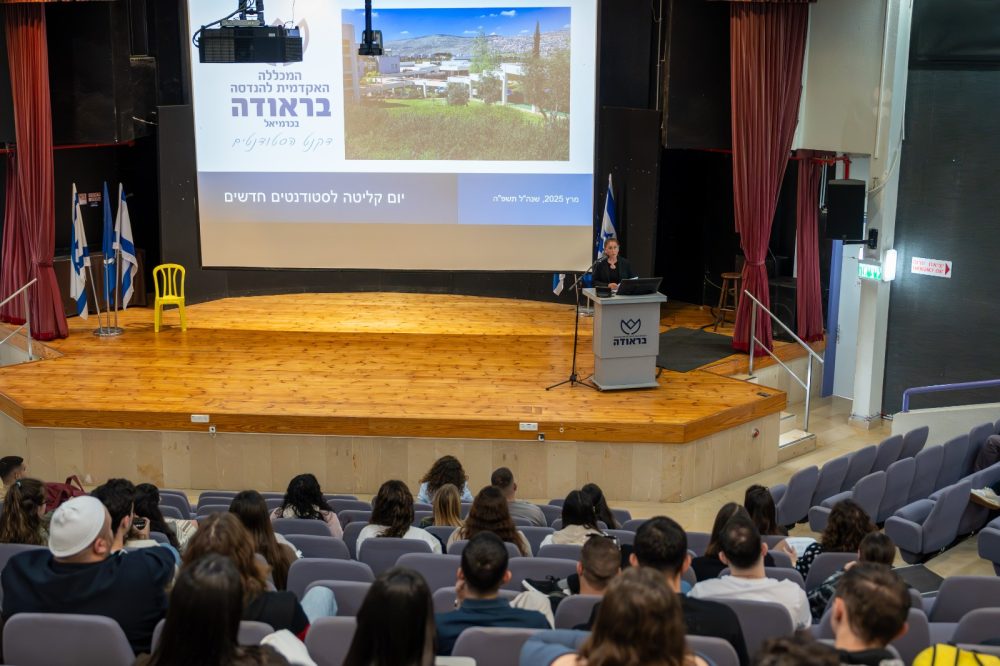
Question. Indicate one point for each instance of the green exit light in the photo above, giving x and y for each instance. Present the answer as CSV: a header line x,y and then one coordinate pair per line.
x,y
870,271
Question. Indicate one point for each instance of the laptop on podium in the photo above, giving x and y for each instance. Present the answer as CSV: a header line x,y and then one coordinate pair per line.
x,y
638,286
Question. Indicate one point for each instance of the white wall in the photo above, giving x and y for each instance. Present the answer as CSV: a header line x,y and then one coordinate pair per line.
x,y
946,422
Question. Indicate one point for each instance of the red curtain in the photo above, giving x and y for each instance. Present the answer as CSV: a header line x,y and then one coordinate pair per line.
x,y
809,299
29,221
767,44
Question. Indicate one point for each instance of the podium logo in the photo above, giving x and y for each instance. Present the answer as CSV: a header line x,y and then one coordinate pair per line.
x,y
630,327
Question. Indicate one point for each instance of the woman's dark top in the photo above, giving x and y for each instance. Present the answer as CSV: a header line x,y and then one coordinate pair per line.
x,y
251,655
281,610
605,275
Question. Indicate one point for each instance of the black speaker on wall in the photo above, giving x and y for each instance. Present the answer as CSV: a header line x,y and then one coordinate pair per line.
x,y
845,209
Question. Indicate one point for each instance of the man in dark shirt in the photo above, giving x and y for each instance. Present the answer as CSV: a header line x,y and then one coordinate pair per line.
x,y
483,572
79,574
869,612
660,543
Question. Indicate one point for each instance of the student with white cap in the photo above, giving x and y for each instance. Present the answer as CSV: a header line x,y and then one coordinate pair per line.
x,y
79,574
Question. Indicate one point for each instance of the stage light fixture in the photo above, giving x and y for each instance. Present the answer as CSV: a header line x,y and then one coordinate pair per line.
x,y
371,40
243,37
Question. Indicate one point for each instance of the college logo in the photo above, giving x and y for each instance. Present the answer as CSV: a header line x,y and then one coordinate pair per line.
x,y
630,326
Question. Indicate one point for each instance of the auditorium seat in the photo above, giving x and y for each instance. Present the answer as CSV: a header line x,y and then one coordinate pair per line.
x,y
329,639
867,492
205,510
309,569
464,509
977,625
698,542
320,546
923,528
420,515
960,595
975,516
349,594
760,620
339,505
989,544
632,525
561,551
286,526
492,646
337,496
348,516
859,465
622,515
421,506
925,476
159,537
898,479
625,537
777,573
443,533
444,598
888,453
351,533
170,511
792,500
914,441
537,568
459,545
824,566
178,502
250,632
535,536
62,639
381,554
551,512
274,495
273,503
831,480
781,559
977,437
216,497
557,502
438,570
575,610
715,651
953,464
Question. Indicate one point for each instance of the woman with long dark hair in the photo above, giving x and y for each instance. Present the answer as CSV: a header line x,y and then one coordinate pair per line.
x,y
601,508
395,623
392,517
147,505
203,620
249,506
579,521
224,534
23,517
847,526
446,469
759,503
640,622
709,565
304,499
489,513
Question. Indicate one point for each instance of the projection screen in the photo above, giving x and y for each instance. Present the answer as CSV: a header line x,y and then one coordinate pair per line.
x,y
468,146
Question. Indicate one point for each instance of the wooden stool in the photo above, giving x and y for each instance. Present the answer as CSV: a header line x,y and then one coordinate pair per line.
x,y
730,285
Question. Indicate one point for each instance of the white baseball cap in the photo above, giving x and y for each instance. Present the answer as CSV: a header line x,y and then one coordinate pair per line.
x,y
75,525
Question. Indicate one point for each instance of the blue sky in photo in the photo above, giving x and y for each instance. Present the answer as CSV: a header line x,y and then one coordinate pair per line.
x,y
467,22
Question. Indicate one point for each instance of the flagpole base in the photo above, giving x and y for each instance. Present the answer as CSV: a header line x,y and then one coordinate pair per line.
x,y
108,331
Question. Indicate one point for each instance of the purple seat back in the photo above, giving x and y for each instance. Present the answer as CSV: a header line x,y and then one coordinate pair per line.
x,y
438,570
914,441
634,524
959,595
795,501
557,502
250,632
170,511
459,545
561,551
329,639
338,505
351,533
977,437
419,516
717,651
273,503
535,536
320,546
925,475
442,532
444,598
625,537
551,512
178,502
575,610
273,494
286,526
868,493
338,496
859,466
953,464
887,453
624,515
941,526
831,480
537,567
916,639
381,553
216,497
782,560
349,516
492,646
977,625
898,479
698,542
989,544
349,594
205,510
824,566
309,569
51,639
760,621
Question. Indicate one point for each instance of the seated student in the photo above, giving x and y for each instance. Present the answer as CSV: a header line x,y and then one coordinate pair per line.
x,y
503,479
12,468
601,508
579,521
489,514
708,565
147,505
847,526
759,503
118,495
600,561
392,516
304,499
79,574
224,534
869,612
22,519
203,620
743,552
483,572
446,469
640,624
876,547
447,507
395,623
795,650
249,506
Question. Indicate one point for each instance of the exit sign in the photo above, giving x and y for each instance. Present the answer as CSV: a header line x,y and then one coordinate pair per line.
x,y
870,271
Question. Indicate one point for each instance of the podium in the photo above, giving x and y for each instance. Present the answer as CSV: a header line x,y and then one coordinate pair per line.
x,y
626,340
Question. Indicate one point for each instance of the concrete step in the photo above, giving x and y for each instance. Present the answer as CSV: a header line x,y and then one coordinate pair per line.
x,y
795,443
787,422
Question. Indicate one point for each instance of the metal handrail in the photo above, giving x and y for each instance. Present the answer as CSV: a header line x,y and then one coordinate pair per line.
x,y
23,292
807,384
957,386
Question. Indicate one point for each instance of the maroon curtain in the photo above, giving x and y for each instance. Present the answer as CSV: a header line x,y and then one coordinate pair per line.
x,y
767,44
809,299
29,220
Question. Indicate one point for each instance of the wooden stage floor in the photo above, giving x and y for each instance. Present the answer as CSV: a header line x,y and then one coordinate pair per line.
x,y
370,364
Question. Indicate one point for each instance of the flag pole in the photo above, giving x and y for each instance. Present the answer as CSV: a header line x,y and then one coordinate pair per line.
x,y
93,288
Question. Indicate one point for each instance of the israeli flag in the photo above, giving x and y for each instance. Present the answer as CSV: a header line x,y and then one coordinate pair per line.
x,y
608,223
558,283
124,242
79,259
108,249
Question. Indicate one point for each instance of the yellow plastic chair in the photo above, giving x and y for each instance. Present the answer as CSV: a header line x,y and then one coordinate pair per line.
x,y
169,281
